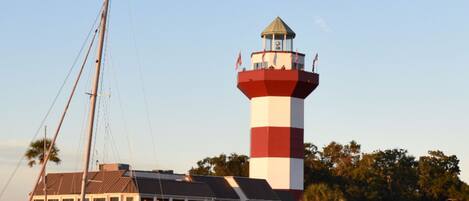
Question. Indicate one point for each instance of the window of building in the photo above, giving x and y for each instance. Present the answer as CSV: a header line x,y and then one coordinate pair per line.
x,y
114,199
259,65
146,199
67,199
129,199
99,199
298,66
52,199
37,200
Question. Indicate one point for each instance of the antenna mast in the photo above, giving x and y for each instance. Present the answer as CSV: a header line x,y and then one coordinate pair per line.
x,y
93,97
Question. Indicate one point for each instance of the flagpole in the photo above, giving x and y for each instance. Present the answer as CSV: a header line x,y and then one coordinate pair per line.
x,y
44,155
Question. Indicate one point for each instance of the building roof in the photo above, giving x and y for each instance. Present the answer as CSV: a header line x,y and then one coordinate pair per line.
x,y
284,195
278,27
100,182
174,188
219,186
148,183
256,189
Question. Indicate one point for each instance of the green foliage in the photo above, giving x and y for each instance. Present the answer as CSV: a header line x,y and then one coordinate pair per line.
x,y
35,153
323,192
344,173
438,176
222,165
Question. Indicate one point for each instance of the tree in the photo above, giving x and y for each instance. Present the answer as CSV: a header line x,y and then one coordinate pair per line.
x,y
384,175
323,192
315,169
35,153
438,176
222,165
342,172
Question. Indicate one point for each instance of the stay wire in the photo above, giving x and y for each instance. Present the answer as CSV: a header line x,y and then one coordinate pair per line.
x,y
72,93
101,86
49,110
145,100
123,117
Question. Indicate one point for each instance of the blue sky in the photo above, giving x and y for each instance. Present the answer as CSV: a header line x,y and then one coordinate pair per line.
x,y
393,75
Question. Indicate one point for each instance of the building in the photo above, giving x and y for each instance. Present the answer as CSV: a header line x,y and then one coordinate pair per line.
x,y
115,182
277,85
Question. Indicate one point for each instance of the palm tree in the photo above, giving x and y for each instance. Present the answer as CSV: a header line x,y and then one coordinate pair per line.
x,y
35,153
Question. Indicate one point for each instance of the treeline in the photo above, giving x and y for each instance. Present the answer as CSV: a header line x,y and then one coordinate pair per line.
x,y
344,173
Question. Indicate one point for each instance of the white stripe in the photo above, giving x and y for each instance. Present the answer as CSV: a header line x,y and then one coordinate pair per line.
x,y
281,173
278,111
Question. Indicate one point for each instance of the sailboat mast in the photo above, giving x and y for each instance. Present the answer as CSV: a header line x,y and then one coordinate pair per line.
x,y
93,97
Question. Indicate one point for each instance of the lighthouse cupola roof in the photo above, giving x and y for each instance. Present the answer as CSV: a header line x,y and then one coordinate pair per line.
x,y
278,27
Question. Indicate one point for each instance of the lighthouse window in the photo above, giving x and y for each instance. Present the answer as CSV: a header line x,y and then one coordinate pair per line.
x,y
298,66
260,65
289,46
278,44
268,44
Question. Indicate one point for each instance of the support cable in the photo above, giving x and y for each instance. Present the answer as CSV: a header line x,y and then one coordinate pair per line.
x,y
49,110
145,100
62,118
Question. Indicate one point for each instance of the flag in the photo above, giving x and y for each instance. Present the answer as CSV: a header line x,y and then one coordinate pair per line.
x,y
315,61
239,62
296,59
263,55
275,59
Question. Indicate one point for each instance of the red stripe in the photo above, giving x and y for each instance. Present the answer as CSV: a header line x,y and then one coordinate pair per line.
x,y
277,142
277,82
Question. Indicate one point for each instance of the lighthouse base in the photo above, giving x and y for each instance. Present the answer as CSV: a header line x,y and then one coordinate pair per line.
x,y
288,194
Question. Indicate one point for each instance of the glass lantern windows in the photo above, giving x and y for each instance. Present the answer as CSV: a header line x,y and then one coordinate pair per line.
x,y
289,44
268,43
277,43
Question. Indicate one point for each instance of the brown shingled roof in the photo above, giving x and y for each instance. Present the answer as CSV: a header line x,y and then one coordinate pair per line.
x,y
278,27
100,182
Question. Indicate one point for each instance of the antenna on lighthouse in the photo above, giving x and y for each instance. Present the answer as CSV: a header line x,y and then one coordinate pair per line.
x,y
93,97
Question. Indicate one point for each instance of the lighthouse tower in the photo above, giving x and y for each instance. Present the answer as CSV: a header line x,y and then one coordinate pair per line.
x,y
277,85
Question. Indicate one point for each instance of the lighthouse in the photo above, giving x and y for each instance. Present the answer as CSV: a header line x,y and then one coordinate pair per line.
x,y
277,84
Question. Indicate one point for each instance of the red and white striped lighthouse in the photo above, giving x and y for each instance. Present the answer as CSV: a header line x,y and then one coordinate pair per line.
x,y
277,85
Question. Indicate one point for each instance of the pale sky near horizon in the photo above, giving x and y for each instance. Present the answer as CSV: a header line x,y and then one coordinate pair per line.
x,y
394,74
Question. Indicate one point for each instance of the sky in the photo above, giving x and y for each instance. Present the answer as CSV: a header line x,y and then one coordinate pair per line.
x,y
393,74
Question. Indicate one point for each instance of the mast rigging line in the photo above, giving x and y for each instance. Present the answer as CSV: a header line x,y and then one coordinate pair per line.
x,y
145,100
107,103
62,118
113,70
101,86
54,101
